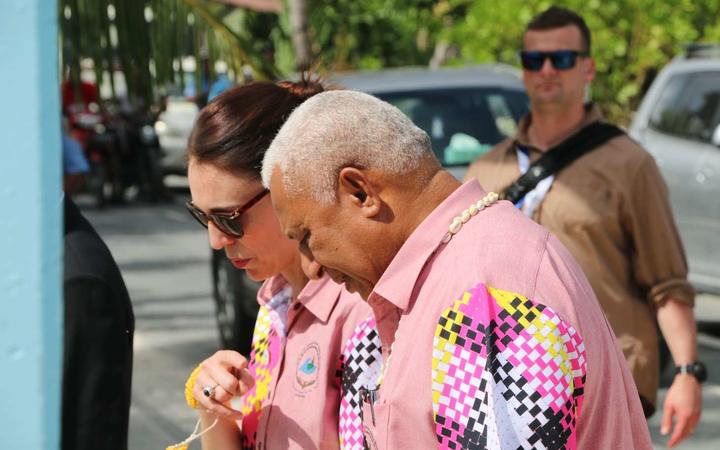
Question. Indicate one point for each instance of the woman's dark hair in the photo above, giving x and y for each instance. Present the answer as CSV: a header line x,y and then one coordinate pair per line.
x,y
557,17
234,130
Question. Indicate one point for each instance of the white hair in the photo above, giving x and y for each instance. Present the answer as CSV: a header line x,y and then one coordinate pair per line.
x,y
337,129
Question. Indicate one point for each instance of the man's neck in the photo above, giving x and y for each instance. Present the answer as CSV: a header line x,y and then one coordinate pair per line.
x,y
549,127
442,184
295,276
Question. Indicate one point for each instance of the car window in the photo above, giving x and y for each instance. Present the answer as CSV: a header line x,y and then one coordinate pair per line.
x,y
462,123
689,106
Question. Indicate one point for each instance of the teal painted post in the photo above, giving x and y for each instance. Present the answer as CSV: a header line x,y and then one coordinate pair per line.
x,y
30,226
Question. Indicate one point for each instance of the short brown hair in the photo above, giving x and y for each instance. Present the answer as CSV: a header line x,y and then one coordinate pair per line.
x,y
557,17
234,130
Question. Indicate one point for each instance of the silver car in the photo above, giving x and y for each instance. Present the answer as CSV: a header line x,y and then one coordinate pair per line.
x,y
679,123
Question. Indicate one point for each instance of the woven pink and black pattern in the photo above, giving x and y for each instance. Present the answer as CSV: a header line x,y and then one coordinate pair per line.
x,y
360,366
508,373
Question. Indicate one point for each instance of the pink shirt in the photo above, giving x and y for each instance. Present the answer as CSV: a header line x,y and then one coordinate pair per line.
x,y
309,359
501,343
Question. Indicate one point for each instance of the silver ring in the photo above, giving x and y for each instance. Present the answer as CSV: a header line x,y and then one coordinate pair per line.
x,y
209,391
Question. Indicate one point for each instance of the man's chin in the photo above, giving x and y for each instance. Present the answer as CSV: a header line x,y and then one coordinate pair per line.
x,y
354,287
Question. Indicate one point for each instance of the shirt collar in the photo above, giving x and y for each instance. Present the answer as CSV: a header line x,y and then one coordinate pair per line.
x,y
592,114
397,283
318,296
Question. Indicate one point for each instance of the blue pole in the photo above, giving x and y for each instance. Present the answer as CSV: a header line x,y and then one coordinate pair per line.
x,y
30,226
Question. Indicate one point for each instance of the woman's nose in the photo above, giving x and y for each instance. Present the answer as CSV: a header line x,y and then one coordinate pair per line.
x,y
218,240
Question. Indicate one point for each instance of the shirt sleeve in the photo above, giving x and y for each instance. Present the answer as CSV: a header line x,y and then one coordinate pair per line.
x,y
659,263
97,367
507,373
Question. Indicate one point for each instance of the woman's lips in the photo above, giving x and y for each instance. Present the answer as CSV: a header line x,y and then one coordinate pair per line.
x,y
240,263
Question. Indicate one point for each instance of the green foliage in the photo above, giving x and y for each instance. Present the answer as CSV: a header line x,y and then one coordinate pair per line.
x,y
370,34
631,38
152,37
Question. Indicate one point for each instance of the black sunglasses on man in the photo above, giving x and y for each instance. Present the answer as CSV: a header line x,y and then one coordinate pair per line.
x,y
560,59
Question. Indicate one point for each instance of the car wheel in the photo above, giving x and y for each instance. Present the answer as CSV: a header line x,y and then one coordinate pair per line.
x,y
235,304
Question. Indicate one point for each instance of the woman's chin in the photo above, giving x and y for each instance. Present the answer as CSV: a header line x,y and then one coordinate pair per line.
x,y
257,275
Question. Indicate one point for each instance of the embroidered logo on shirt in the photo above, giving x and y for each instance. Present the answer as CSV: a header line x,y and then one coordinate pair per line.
x,y
307,372
506,373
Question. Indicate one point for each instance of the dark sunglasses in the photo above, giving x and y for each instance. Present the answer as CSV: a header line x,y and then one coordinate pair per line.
x,y
560,59
227,222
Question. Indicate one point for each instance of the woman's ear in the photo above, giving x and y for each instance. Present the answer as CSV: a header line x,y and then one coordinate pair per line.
x,y
355,189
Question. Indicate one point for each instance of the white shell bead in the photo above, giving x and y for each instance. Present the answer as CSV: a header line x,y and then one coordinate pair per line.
x,y
474,208
455,226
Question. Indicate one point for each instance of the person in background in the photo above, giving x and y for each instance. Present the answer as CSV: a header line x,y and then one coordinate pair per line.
x,y
75,165
98,341
222,81
610,208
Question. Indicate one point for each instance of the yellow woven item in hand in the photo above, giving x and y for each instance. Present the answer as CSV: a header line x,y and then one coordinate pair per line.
x,y
189,385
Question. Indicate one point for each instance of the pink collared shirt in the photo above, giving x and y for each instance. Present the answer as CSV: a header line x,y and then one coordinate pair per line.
x,y
500,343
310,358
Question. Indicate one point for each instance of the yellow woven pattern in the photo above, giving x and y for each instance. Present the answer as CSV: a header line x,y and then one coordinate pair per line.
x,y
189,385
261,342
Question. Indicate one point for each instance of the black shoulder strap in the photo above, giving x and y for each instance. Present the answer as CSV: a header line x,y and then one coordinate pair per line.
x,y
559,157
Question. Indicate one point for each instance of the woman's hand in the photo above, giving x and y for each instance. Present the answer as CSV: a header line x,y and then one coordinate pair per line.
x,y
226,374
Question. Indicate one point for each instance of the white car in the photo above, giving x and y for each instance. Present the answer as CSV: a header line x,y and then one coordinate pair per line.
x,y
173,128
679,123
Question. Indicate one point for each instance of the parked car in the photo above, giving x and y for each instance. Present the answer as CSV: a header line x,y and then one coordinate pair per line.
x,y
173,129
464,110
679,123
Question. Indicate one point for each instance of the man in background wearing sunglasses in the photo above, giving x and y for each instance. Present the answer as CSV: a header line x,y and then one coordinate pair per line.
x,y
609,206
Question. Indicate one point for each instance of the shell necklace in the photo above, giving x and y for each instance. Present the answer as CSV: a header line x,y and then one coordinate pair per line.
x,y
455,226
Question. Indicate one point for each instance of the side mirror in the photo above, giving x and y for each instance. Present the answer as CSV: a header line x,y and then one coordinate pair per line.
x,y
716,136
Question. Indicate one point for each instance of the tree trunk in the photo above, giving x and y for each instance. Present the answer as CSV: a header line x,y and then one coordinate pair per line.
x,y
298,24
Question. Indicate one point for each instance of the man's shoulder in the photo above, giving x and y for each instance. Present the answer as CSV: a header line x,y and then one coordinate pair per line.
x,y
623,149
497,151
480,167
85,254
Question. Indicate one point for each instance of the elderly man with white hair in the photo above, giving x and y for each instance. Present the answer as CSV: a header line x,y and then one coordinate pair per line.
x,y
492,337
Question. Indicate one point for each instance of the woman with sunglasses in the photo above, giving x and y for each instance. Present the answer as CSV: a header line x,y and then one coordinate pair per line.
x,y
314,345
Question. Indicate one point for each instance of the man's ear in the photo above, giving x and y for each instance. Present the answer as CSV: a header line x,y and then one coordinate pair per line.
x,y
590,70
354,188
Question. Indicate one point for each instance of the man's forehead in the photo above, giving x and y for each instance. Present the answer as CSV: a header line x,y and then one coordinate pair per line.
x,y
285,205
562,38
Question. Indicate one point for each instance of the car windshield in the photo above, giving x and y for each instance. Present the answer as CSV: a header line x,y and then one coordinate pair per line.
x,y
462,123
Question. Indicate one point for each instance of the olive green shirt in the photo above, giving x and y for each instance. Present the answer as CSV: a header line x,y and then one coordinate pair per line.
x,y
610,208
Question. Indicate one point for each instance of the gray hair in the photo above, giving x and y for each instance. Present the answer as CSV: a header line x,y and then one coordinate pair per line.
x,y
337,129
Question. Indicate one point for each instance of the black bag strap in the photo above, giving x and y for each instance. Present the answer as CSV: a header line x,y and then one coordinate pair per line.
x,y
560,156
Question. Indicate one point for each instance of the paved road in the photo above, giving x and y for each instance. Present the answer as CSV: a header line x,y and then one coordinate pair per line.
x,y
164,257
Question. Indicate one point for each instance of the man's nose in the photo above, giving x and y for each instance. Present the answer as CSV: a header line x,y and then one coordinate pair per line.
x,y
547,67
218,240
314,269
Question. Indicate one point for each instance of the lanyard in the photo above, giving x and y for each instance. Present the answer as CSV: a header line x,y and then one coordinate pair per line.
x,y
529,203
